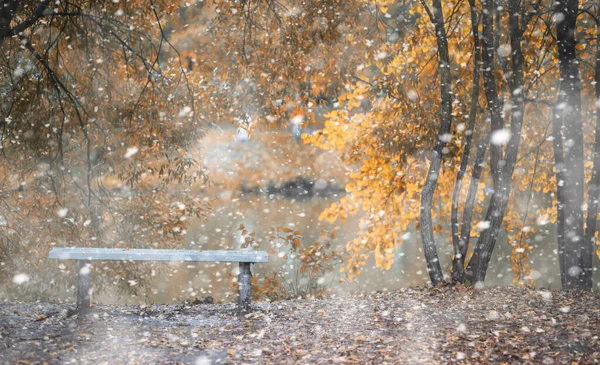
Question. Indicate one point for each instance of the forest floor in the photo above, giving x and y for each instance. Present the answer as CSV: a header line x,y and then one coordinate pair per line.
x,y
448,325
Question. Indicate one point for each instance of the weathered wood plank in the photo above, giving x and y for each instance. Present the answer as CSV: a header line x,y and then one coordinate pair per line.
x,y
119,254
84,286
244,286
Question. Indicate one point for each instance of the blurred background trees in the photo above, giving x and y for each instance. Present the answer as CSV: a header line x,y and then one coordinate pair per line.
x,y
470,122
96,123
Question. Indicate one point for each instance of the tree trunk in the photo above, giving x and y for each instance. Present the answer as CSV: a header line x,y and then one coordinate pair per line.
x,y
465,232
569,113
477,268
490,87
559,165
459,244
493,102
594,184
429,246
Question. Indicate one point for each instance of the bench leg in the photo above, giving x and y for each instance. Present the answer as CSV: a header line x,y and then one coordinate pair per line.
x,y
244,286
84,283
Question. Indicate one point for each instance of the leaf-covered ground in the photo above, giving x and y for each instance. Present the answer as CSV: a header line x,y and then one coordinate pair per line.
x,y
492,325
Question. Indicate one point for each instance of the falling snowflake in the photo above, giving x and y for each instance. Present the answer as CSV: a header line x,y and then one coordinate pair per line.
x,y
20,279
131,151
500,137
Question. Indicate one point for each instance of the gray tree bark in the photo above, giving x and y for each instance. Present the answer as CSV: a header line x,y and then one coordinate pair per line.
x,y
429,245
459,243
503,168
467,221
568,118
594,184
559,165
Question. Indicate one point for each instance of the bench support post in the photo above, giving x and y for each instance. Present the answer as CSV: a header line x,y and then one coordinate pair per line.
x,y
84,283
244,286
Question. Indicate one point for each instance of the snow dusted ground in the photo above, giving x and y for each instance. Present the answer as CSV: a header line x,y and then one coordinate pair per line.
x,y
447,325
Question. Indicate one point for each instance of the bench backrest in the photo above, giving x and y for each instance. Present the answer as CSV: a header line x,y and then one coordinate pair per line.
x,y
120,254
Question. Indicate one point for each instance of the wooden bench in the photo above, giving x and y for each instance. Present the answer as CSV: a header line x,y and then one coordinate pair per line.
x,y
85,255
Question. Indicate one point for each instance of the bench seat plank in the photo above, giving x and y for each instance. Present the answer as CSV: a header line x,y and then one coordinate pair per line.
x,y
120,254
